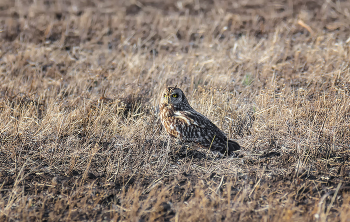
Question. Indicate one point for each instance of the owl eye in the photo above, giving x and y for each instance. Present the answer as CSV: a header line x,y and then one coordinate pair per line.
x,y
175,95
164,95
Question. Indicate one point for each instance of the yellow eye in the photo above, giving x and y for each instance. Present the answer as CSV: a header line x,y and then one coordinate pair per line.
x,y
164,95
175,95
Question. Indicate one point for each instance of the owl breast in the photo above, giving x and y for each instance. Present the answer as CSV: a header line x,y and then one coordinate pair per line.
x,y
174,124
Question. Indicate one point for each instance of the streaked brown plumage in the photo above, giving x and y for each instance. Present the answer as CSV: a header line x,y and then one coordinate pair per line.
x,y
181,121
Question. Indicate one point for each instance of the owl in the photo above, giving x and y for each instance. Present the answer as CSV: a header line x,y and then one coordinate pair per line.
x,y
181,121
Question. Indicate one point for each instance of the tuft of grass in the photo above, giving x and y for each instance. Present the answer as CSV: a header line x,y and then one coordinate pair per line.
x,y
247,80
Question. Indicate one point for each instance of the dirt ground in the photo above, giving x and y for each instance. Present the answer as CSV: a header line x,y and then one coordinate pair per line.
x,y
80,136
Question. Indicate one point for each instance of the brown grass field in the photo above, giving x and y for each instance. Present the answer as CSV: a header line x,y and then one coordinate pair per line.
x,y
80,137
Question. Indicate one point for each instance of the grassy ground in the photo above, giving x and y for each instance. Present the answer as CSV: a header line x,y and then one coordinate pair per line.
x,y
81,139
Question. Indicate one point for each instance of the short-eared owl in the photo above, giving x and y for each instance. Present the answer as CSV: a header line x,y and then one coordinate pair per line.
x,y
181,121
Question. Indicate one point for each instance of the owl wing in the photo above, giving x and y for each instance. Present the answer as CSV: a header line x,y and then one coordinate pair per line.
x,y
198,128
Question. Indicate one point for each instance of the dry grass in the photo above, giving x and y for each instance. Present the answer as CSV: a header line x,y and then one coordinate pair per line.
x,y
79,132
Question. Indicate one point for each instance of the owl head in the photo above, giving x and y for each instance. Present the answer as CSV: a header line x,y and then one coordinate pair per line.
x,y
175,97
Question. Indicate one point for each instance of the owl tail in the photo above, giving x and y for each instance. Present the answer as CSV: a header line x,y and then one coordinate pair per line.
x,y
232,146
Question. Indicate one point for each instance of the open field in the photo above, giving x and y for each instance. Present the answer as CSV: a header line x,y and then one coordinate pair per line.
x,y
80,137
